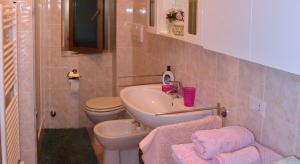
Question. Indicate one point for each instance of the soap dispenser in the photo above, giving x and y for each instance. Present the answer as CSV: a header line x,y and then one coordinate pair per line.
x,y
168,76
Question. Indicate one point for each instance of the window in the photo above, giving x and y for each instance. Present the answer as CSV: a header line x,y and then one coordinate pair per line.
x,y
83,26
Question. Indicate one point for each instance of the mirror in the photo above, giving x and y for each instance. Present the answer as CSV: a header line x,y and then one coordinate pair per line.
x,y
192,22
83,26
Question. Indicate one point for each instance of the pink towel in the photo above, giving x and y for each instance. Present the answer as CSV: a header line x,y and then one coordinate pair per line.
x,y
188,155
185,154
209,143
248,155
156,147
267,155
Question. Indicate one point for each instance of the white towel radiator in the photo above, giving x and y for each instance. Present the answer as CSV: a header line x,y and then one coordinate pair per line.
x,y
9,114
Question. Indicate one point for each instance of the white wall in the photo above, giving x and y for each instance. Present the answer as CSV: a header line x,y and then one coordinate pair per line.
x,y
226,26
262,31
276,34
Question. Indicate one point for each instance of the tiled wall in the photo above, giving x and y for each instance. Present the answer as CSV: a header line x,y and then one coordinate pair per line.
x,y
96,71
218,78
38,41
26,81
134,57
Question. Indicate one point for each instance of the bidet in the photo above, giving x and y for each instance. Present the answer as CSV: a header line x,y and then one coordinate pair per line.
x,y
120,139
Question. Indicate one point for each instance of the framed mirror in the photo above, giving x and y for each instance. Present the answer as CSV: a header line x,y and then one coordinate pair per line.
x,y
83,26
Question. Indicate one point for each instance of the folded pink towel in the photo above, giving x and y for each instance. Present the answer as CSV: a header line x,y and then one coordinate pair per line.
x,y
209,143
248,155
267,155
185,154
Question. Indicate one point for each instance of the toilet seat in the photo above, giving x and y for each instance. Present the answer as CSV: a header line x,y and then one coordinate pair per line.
x,y
104,104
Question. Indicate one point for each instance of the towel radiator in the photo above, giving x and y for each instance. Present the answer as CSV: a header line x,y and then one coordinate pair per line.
x,y
9,114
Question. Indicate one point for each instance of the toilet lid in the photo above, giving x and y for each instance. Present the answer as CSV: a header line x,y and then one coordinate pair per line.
x,y
104,103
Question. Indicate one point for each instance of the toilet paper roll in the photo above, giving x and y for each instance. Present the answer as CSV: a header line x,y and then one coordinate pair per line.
x,y
74,86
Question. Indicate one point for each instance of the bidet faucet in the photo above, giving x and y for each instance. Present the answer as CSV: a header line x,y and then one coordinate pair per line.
x,y
136,123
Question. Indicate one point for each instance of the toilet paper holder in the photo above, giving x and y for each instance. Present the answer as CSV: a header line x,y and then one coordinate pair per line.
x,y
73,75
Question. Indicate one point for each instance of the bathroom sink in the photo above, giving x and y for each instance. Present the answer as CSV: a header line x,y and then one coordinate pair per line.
x,y
146,103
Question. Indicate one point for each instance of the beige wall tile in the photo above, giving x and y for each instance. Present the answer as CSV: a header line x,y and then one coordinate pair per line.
x,y
252,79
53,12
282,95
248,118
227,73
206,93
228,100
279,135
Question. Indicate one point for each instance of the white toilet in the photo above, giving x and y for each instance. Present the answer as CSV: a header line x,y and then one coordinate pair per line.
x,y
103,108
120,139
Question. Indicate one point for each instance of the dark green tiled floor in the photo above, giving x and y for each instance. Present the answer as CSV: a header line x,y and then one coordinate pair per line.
x,y
67,146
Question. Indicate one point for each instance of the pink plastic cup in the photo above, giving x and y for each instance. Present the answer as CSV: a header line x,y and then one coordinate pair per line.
x,y
189,94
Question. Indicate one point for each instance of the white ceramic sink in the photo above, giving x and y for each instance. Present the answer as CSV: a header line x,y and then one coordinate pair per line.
x,y
146,101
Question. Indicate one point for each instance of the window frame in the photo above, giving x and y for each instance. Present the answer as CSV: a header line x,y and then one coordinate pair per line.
x,y
70,46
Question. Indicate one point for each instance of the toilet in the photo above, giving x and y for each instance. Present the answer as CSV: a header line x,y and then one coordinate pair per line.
x,y
103,108
120,139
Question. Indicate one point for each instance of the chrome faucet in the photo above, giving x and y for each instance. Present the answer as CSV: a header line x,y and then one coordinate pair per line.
x,y
172,94
176,92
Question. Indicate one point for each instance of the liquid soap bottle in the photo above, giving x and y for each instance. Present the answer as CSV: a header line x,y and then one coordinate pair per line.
x,y
168,76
